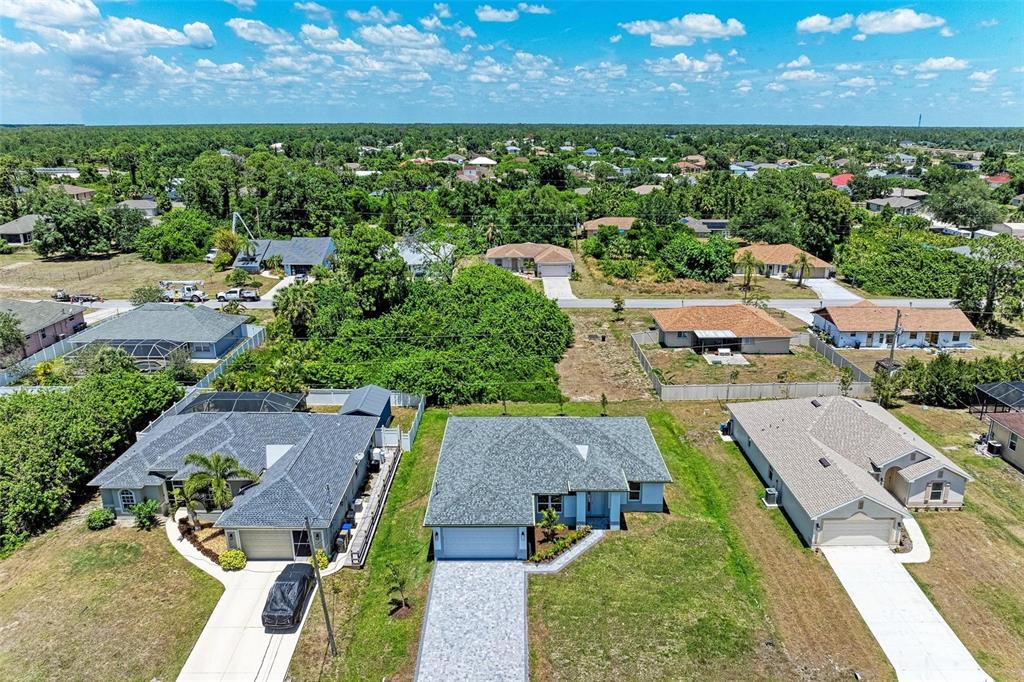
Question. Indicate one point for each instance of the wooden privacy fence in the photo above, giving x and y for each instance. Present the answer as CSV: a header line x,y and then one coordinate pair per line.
x,y
860,388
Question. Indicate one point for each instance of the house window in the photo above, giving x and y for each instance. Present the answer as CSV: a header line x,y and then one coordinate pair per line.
x,y
940,473
201,347
935,494
634,492
771,474
860,504
1013,442
549,502
127,499
679,335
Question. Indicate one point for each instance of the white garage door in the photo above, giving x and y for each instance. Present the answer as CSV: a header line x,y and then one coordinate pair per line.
x,y
862,531
480,543
267,544
554,270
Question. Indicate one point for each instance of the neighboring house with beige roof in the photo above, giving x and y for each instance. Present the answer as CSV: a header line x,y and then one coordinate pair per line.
x,y
644,190
844,471
623,224
777,260
866,325
739,327
80,194
548,260
1007,429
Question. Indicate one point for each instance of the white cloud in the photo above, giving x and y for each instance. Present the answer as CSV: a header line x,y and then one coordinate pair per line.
x,y
257,32
442,10
374,14
244,5
896,21
984,77
676,87
847,94
859,82
926,76
326,39
775,87
802,60
49,12
942,64
682,63
488,70
849,67
491,14
398,36
464,31
313,10
684,30
27,47
615,38
532,9
744,86
819,23
988,23
431,23
900,70
860,37
233,71
946,32
135,33
801,75
199,35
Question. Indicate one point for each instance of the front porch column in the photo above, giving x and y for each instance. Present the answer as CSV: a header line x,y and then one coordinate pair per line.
x,y
581,508
613,510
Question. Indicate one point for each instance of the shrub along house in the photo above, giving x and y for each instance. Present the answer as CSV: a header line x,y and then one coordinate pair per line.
x,y
310,465
866,325
843,470
496,476
706,328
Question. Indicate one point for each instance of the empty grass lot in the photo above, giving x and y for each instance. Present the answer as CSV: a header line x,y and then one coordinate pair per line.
x,y
973,577
600,360
594,284
26,275
683,366
116,604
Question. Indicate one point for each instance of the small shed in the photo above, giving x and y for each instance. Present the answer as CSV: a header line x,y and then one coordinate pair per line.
x,y
371,401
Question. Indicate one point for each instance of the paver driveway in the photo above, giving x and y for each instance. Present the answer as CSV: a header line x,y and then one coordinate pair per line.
x,y
475,626
916,639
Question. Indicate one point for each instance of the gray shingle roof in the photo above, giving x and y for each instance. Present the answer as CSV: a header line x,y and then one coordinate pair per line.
x,y
490,468
368,400
36,315
165,321
308,480
294,251
856,436
22,225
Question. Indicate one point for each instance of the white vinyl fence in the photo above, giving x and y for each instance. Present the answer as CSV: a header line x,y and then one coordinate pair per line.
x,y
255,336
338,396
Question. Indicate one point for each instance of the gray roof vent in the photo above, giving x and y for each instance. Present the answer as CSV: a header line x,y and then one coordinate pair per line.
x,y
824,462
815,403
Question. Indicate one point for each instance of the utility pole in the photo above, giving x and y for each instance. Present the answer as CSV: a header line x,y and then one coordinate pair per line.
x,y
320,589
895,335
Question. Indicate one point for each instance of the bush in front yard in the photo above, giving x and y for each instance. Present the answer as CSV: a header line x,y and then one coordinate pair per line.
x,y
145,513
99,519
233,560
321,560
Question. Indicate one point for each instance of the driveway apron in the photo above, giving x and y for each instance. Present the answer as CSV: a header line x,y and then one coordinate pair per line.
x,y
475,626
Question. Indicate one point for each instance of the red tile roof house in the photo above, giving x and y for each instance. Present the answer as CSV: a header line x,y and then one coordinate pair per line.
x,y
623,224
1007,428
997,180
548,260
842,181
865,325
706,328
777,259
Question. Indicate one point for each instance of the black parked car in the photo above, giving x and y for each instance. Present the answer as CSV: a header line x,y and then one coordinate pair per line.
x,y
287,597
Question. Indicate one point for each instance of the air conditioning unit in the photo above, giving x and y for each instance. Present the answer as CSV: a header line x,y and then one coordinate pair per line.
x,y
771,497
995,448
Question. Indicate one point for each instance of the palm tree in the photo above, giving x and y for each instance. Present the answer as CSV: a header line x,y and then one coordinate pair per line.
x,y
748,266
214,473
190,501
296,304
801,264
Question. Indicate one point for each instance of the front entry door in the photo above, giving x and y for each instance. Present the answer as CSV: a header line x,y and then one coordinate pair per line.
x,y
597,505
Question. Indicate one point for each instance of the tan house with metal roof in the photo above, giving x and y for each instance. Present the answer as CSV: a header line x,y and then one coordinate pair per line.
x,y
866,325
844,471
738,327
547,260
777,260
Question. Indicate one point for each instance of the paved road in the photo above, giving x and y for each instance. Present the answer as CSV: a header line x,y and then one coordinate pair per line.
x,y
916,639
475,626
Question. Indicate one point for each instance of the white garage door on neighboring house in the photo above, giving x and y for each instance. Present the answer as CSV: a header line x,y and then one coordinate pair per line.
x,y
554,270
862,530
479,543
267,544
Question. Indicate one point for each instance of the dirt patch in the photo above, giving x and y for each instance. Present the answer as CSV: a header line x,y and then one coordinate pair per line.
x,y
683,366
601,361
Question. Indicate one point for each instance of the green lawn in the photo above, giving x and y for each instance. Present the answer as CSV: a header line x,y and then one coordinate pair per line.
x,y
116,604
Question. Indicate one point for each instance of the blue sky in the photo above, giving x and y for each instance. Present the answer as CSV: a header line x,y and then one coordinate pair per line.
x,y
190,61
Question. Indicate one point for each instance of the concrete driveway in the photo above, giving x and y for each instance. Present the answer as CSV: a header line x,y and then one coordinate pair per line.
x,y
918,642
830,290
475,626
234,646
558,288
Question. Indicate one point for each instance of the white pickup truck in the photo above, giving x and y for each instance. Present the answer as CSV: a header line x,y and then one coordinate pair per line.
x,y
183,290
239,295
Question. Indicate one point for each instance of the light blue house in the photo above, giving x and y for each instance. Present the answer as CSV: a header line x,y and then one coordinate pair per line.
x,y
299,255
496,475
590,151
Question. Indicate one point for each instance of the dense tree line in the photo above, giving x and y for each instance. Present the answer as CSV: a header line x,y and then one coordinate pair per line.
x,y
52,443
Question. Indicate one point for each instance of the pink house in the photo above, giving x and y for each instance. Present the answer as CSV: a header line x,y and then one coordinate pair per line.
x,y
43,323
